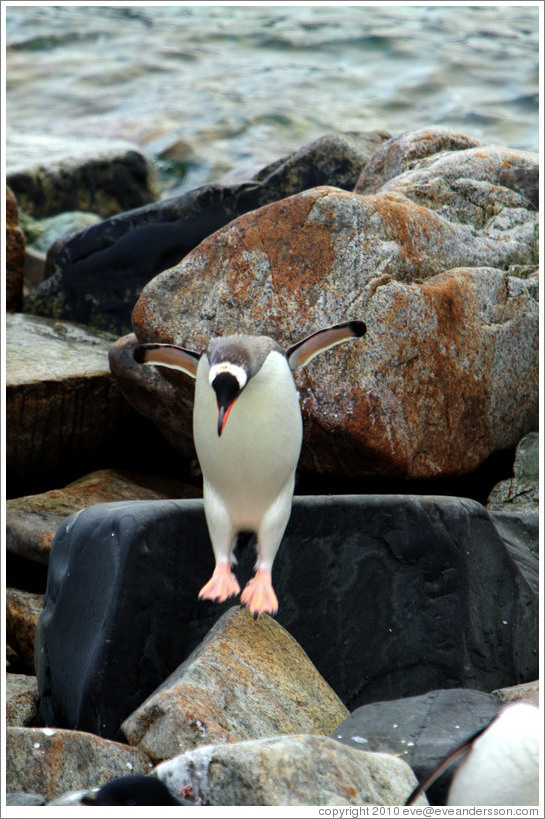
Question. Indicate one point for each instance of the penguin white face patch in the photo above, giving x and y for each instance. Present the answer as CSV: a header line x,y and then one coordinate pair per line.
x,y
232,369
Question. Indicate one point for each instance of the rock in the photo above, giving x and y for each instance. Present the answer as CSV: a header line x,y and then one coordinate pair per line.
x,y
389,596
288,770
51,761
452,173
519,528
15,255
96,175
96,277
22,700
61,226
447,373
22,612
13,799
70,798
34,269
63,409
521,491
32,521
421,730
513,693
247,680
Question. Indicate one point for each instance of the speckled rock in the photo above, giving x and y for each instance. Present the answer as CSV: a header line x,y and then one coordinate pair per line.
x,y
32,521
22,700
63,408
446,375
421,730
22,612
461,177
520,492
288,770
96,276
513,693
52,761
15,255
101,176
247,680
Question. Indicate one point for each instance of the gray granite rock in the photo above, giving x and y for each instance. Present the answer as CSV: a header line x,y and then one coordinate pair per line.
x,y
389,596
50,761
247,680
521,492
421,730
22,700
288,770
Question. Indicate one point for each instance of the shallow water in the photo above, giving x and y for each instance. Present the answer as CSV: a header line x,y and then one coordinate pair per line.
x,y
210,90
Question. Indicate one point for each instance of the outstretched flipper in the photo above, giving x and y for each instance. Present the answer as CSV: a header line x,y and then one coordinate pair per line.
x,y
300,354
168,355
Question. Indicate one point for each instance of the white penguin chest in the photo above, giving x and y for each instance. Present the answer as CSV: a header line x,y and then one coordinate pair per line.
x,y
256,455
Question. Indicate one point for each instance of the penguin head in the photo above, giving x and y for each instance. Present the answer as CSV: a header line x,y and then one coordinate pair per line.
x,y
234,361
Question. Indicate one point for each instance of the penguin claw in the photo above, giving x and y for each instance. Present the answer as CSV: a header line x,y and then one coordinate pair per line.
x,y
258,595
222,585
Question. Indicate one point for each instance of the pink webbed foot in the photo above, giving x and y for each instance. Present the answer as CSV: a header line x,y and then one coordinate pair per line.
x,y
258,594
222,584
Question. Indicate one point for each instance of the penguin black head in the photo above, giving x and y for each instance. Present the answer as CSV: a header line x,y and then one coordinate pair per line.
x,y
227,387
133,790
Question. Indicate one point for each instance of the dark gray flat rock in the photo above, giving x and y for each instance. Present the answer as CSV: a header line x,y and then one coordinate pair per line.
x,y
421,730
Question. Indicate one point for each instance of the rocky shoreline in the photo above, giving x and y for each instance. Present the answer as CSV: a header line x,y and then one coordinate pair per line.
x,y
408,575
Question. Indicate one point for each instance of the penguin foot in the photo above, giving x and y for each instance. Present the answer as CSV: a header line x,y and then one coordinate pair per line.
x,y
258,594
222,584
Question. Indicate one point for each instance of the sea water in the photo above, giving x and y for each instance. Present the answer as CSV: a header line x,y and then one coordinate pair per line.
x,y
209,91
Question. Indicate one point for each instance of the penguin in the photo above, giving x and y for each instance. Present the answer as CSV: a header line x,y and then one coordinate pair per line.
x,y
500,762
133,790
248,431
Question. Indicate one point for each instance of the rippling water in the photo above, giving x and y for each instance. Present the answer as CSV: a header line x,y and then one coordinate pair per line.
x,y
208,90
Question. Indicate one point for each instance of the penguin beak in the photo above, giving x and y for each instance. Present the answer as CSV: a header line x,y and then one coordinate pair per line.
x,y
223,414
227,389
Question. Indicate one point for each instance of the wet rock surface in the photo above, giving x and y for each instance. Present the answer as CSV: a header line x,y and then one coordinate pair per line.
x,y
423,558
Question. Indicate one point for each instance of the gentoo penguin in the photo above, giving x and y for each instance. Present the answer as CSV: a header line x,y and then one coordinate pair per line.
x,y
247,429
133,790
500,764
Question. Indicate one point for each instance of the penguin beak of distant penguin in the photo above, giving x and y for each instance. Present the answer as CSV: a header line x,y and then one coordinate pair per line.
x,y
227,389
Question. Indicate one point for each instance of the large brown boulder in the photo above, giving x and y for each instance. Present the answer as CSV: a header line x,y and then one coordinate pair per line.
x,y
448,371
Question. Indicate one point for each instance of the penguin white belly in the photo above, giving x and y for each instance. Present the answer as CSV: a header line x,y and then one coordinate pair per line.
x,y
253,462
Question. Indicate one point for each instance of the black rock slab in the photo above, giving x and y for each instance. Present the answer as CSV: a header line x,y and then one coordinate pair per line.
x,y
390,596
421,730
95,276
